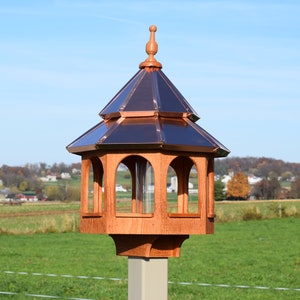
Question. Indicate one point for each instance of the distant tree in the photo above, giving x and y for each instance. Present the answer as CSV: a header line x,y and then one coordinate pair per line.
x,y
13,189
52,193
267,189
23,186
238,187
259,190
43,166
219,190
220,168
59,168
286,176
72,194
62,193
272,174
274,188
295,188
263,168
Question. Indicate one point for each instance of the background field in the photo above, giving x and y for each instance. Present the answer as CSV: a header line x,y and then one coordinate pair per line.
x,y
56,217
252,253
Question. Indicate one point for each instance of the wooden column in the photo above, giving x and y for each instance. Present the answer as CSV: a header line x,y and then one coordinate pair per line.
x,y
202,187
211,191
85,172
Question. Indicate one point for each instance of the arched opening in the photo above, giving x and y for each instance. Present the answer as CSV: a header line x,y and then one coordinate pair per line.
x,y
139,186
92,186
183,178
123,189
193,206
172,189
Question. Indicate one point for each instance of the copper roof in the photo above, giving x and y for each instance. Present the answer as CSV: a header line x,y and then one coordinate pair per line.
x,y
148,93
148,113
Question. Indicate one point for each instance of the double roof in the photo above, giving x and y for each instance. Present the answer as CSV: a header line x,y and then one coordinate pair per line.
x,y
148,113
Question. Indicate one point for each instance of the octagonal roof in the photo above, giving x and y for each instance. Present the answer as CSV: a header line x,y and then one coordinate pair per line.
x,y
148,113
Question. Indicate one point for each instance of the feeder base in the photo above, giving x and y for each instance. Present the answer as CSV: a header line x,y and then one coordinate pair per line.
x,y
148,245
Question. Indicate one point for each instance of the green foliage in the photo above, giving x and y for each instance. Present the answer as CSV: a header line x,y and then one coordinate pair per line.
x,y
23,185
239,253
52,193
72,194
219,191
62,192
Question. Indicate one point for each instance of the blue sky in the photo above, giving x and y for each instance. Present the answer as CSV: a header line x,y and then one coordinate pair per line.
x,y
236,62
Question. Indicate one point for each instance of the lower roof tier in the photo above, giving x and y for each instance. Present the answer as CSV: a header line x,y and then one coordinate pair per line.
x,y
172,134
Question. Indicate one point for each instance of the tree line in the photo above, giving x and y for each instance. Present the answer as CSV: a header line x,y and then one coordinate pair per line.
x,y
238,188
278,179
27,178
258,166
273,174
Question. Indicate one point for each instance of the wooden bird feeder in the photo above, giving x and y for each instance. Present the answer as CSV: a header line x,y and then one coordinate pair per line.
x,y
148,128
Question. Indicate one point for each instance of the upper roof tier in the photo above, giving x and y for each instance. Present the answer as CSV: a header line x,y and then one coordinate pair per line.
x,y
149,92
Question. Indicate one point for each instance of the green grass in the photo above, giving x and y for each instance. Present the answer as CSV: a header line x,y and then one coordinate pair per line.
x,y
252,253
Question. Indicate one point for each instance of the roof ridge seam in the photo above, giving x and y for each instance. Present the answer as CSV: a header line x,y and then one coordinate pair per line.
x,y
156,99
132,91
175,91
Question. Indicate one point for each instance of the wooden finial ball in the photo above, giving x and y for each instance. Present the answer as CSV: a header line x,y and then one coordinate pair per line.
x,y
152,28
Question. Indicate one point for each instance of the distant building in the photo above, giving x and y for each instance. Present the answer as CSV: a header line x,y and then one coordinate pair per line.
x,y
31,197
75,171
49,178
253,179
65,175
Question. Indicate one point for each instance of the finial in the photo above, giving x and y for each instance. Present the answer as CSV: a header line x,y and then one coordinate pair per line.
x,y
151,50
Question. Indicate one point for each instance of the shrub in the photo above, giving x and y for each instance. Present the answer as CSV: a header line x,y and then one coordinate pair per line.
x,y
277,210
292,211
252,213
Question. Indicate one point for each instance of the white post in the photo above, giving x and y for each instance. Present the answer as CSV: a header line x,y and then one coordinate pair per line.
x,y
147,278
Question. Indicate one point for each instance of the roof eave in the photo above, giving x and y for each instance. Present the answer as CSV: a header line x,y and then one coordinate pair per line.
x,y
215,151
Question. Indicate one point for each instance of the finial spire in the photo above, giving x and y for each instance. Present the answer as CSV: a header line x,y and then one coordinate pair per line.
x,y
151,50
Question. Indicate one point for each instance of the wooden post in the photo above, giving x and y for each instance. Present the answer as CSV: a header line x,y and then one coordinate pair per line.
x,y
147,278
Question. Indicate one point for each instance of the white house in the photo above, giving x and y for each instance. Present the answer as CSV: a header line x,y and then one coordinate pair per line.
x,y
65,175
49,178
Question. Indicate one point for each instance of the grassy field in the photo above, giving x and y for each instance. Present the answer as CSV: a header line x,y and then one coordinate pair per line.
x,y
254,253
234,262
42,217
57,217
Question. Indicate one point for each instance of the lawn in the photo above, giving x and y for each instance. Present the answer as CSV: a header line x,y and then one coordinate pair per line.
x,y
253,253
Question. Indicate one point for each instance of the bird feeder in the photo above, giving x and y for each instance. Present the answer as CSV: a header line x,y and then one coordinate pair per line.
x,y
148,128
